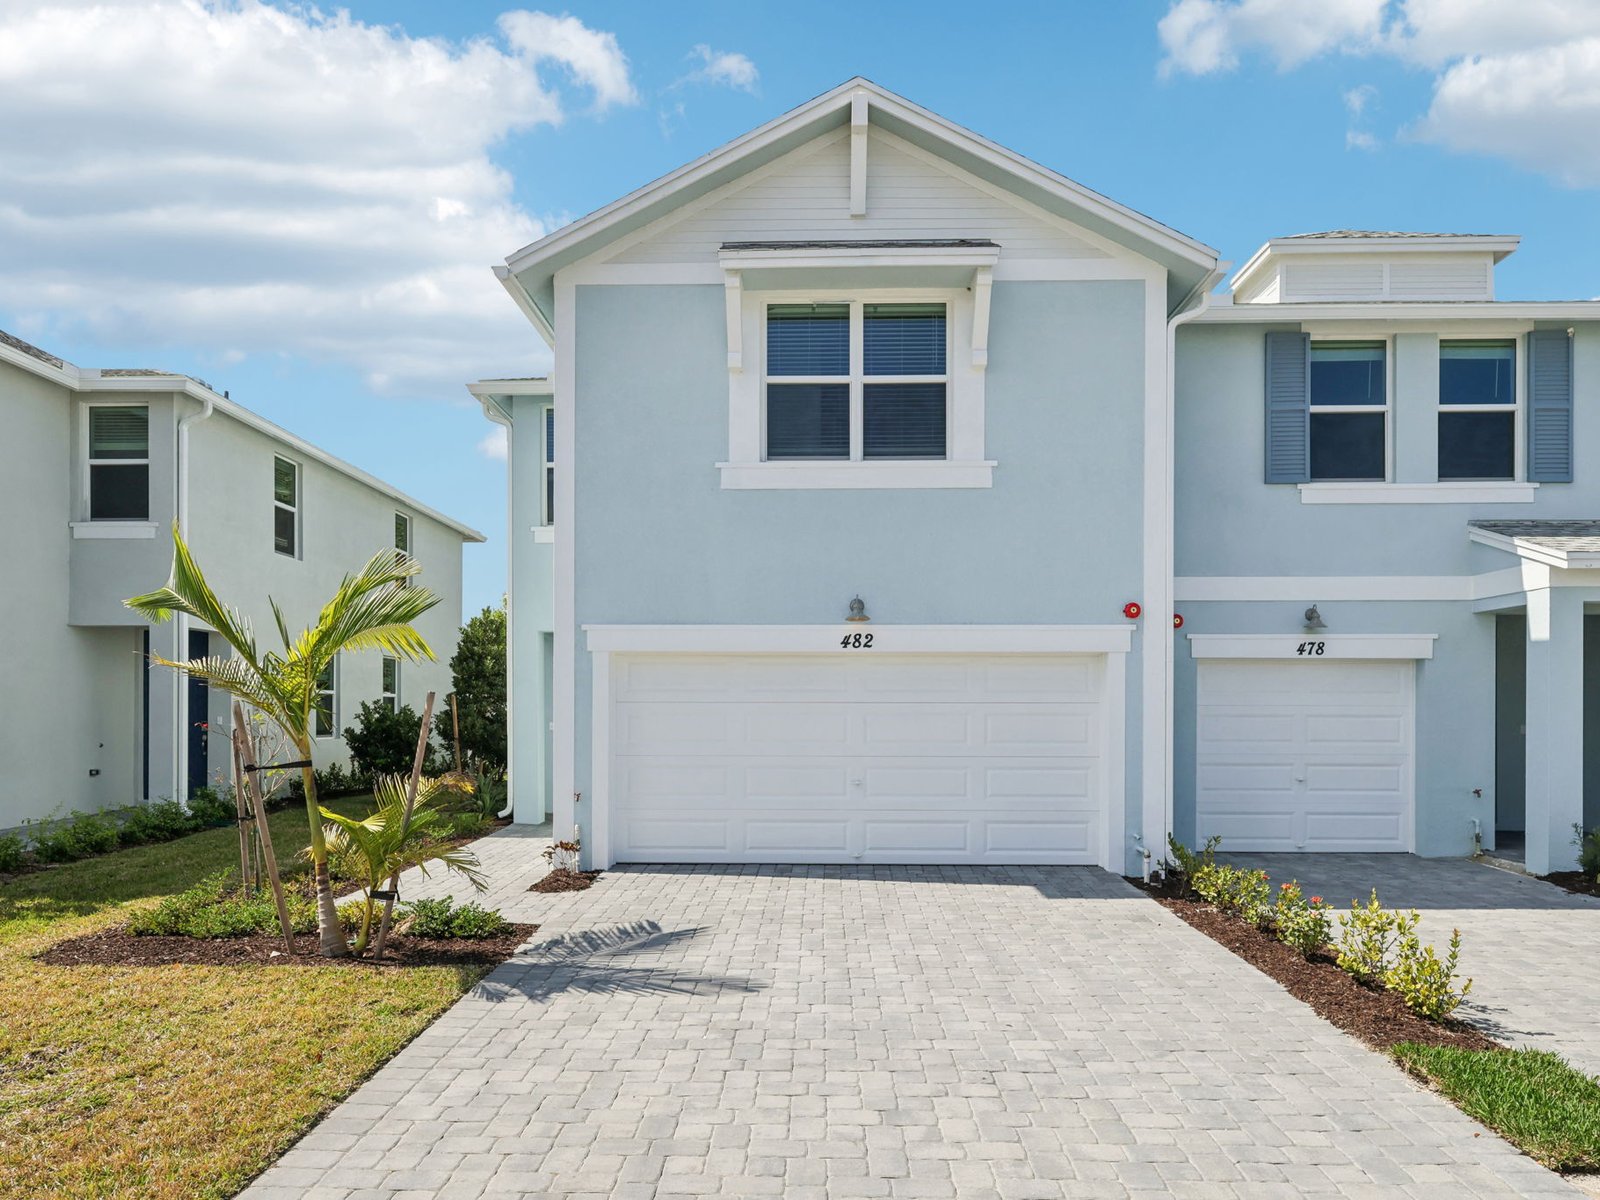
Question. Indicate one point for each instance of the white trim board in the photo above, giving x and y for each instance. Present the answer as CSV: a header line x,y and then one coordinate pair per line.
x,y
886,639
1318,589
1494,492
1332,646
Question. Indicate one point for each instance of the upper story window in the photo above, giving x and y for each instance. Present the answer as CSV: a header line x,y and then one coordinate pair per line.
x,y
1478,409
390,696
856,381
402,533
286,506
326,718
548,492
1349,411
119,462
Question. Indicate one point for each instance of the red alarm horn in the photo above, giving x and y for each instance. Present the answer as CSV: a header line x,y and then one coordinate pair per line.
x,y
1133,610
1177,620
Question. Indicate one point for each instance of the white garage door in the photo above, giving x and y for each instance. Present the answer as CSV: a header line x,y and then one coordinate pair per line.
x,y
896,759
1305,755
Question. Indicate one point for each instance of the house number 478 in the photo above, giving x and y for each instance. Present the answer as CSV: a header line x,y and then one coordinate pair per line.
x,y
856,641
1311,648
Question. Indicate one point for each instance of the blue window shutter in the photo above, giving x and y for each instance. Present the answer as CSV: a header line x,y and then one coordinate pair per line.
x,y
1288,408
1549,406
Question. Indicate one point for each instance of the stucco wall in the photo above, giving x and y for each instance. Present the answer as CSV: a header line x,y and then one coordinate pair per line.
x,y
71,701
343,523
1057,539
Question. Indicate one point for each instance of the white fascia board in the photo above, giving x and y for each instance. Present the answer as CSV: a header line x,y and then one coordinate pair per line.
x,y
1550,556
875,256
1294,645
537,317
65,375
842,98
886,639
1403,310
505,388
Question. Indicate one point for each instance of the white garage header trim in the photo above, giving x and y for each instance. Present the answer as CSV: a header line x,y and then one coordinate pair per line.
x,y
1311,646
885,639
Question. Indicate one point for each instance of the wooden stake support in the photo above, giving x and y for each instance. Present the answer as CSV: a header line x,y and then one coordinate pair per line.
x,y
247,761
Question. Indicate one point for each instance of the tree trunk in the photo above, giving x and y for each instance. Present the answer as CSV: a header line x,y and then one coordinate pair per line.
x,y
328,927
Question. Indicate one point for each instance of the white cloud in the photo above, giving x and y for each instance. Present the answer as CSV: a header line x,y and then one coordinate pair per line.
x,y
725,67
1518,81
493,444
242,179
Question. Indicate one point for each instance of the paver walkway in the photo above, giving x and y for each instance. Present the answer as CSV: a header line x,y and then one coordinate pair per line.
x,y
903,1032
1529,947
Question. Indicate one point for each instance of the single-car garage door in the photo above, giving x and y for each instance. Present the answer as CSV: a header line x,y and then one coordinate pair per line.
x,y
831,759
1305,755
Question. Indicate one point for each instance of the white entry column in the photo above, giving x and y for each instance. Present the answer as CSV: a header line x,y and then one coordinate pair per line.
x,y
1554,725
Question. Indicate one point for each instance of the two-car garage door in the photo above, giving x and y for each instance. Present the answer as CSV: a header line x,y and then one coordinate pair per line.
x,y
1305,755
901,758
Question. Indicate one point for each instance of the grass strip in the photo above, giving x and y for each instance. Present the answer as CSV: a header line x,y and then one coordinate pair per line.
x,y
1532,1098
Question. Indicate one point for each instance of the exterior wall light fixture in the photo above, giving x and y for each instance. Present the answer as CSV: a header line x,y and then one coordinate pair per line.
x,y
1314,621
858,610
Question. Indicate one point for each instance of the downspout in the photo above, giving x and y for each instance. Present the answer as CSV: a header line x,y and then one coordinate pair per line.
x,y
180,705
492,410
1192,305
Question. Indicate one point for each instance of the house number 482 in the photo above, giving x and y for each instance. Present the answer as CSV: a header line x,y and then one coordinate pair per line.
x,y
856,641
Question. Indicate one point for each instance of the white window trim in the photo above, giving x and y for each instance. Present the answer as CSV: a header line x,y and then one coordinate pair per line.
x,y
89,464
1487,491
964,464
299,495
113,529
393,696
332,692
546,466
1386,408
1518,391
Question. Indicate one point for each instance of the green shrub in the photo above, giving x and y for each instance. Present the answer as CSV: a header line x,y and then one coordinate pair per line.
x,y
213,909
1178,870
1425,981
159,821
12,849
1367,937
1302,924
81,835
208,808
438,919
1234,890
382,742
1588,852
469,824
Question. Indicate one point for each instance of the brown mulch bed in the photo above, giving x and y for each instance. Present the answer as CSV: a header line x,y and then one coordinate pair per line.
x,y
563,879
1575,882
1378,1018
117,947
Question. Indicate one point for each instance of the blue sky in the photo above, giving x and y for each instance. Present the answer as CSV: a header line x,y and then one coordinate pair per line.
x,y
302,209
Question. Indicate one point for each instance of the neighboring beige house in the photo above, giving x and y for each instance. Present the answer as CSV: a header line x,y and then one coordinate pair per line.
x,y
94,469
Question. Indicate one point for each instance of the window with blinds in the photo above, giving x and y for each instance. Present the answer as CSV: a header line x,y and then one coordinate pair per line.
x,y
1478,409
854,381
119,462
549,466
1349,411
326,717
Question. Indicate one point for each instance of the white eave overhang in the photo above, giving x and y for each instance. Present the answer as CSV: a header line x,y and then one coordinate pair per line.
x,y
494,395
1537,550
1402,310
934,264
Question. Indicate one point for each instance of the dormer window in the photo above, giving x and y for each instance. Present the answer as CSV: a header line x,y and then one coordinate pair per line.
x,y
856,381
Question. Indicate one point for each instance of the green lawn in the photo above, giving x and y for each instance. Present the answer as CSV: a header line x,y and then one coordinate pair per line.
x,y
1532,1098
176,1081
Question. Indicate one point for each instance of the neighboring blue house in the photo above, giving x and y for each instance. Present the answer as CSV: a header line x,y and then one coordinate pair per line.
x,y
878,461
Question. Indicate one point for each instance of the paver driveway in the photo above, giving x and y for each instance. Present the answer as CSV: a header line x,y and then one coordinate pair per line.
x,y
1529,947
919,1032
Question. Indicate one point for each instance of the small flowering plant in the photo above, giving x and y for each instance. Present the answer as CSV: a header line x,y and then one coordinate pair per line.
x,y
1303,924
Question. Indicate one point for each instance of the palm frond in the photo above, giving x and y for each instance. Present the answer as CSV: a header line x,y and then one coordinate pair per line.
x,y
235,676
372,609
188,592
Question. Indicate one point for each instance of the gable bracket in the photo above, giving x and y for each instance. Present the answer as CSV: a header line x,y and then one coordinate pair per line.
x,y
858,155
732,291
982,285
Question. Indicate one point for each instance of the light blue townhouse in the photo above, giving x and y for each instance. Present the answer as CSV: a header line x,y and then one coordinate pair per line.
x,y
895,499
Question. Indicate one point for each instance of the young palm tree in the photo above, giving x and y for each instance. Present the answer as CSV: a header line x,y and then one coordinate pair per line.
x,y
371,610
